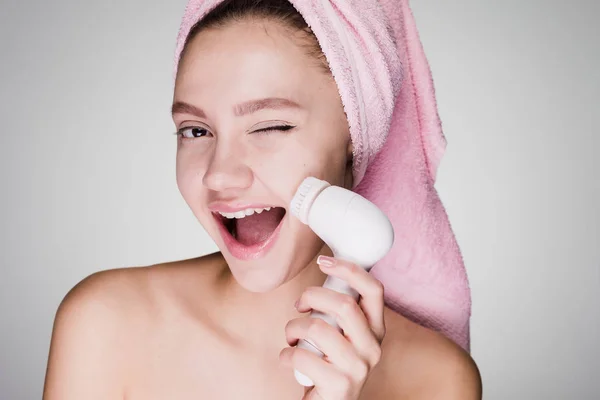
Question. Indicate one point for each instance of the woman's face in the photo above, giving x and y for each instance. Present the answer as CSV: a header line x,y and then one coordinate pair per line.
x,y
239,150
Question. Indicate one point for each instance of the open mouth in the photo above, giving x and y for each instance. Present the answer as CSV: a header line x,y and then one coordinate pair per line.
x,y
253,229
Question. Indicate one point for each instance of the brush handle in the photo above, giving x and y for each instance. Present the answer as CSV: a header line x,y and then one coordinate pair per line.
x,y
339,286
354,228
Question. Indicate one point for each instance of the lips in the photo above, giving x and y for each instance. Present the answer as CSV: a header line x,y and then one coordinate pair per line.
x,y
242,251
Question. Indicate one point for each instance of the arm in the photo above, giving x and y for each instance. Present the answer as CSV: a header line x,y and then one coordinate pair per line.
x,y
459,379
419,364
447,372
84,360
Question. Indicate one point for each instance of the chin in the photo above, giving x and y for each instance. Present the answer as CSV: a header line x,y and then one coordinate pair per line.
x,y
261,266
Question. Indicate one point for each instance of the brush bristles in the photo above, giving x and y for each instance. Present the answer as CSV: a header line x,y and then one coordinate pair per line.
x,y
306,193
299,198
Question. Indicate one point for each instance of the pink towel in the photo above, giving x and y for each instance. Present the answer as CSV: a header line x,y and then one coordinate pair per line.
x,y
377,60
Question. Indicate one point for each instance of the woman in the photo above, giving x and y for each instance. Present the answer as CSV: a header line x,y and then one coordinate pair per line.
x,y
256,111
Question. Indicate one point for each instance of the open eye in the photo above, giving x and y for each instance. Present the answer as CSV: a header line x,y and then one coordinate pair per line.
x,y
191,132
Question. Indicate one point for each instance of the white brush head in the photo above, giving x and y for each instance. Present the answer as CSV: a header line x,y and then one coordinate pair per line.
x,y
354,228
305,195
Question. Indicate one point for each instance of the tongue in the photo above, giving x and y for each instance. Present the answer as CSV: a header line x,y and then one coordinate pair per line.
x,y
257,228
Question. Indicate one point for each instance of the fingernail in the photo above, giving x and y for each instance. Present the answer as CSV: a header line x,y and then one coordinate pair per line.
x,y
325,261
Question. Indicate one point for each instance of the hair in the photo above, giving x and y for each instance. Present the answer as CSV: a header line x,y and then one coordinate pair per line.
x,y
281,11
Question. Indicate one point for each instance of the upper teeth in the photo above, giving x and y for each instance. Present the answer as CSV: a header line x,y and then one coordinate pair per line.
x,y
244,213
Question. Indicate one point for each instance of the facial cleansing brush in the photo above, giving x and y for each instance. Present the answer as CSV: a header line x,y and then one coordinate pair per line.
x,y
354,229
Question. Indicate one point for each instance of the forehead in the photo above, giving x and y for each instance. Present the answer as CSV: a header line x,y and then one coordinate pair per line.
x,y
247,57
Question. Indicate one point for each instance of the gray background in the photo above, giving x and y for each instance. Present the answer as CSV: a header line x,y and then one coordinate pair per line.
x,y
88,174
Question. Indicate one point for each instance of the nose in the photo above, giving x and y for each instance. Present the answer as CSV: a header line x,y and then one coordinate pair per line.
x,y
227,171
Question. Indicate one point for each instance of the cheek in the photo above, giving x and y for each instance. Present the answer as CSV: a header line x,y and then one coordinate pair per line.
x,y
190,167
283,170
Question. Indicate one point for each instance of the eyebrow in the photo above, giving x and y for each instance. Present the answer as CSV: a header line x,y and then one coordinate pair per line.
x,y
248,107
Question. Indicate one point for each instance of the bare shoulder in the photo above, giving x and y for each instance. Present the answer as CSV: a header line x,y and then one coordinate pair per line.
x,y
418,363
99,323
117,293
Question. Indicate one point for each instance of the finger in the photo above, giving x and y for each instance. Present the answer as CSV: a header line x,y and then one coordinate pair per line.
x,y
348,315
312,393
329,381
369,288
336,348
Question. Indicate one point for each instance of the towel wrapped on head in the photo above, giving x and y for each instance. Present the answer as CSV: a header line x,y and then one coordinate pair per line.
x,y
378,63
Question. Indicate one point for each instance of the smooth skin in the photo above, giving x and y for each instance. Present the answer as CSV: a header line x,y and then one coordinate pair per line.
x,y
217,327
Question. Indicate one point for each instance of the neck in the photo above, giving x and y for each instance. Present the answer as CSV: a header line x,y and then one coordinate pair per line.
x,y
276,306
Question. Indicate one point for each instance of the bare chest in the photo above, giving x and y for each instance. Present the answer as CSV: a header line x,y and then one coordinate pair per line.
x,y
209,369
